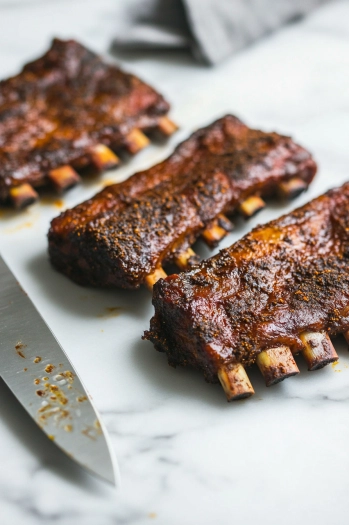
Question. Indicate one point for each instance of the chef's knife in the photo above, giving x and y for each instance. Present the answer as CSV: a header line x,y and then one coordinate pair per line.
x,y
39,373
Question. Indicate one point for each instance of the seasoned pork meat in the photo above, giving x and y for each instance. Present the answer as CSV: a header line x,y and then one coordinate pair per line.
x,y
123,235
280,290
65,111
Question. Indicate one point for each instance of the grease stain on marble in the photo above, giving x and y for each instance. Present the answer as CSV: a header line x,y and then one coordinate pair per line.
x,y
334,366
185,456
52,201
111,311
107,182
19,227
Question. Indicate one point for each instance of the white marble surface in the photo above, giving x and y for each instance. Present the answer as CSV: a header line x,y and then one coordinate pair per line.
x,y
186,456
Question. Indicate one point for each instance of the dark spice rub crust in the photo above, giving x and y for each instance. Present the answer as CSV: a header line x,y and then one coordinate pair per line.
x,y
283,286
62,105
125,233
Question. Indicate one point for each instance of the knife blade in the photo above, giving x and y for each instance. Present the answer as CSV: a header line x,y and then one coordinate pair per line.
x,y
39,373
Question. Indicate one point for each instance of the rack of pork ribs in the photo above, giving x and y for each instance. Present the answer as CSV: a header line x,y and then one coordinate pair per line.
x,y
281,290
125,234
67,111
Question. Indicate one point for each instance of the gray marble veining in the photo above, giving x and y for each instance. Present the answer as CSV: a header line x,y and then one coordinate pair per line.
x,y
186,456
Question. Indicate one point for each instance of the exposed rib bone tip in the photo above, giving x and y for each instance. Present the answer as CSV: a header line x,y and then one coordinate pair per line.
x,y
64,178
151,279
277,364
292,188
218,229
213,235
103,157
186,259
235,382
136,140
318,350
166,126
251,206
23,195
225,223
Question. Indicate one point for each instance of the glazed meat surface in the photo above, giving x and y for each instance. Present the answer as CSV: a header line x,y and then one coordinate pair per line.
x,y
283,286
124,234
61,106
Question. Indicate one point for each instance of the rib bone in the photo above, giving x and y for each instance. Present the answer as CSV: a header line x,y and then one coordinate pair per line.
x,y
251,206
225,223
219,228
136,140
151,279
318,350
23,195
166,126
292,188
235,382
277,364
64,178
103,157
186,259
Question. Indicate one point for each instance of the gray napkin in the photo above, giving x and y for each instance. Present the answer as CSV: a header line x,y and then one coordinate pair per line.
x,y
212,29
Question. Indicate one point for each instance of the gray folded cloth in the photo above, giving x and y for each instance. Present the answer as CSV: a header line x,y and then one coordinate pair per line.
x,y
212,29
